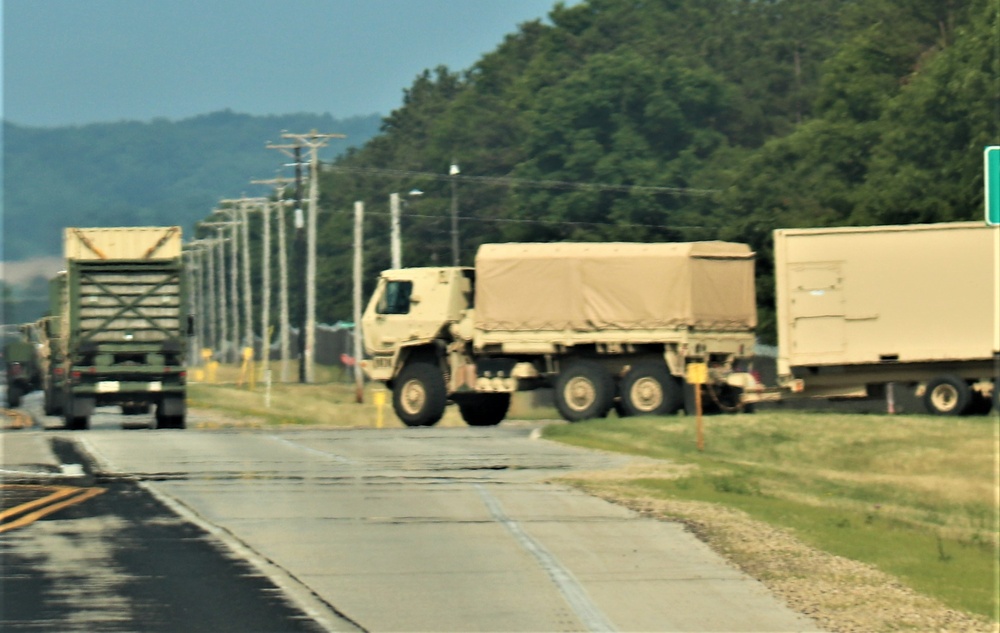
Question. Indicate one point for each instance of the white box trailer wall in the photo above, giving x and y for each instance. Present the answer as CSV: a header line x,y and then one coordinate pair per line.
x,y
860,307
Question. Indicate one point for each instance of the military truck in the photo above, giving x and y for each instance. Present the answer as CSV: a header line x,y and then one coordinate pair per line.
x,y
916,306
604,325
123,323
20,356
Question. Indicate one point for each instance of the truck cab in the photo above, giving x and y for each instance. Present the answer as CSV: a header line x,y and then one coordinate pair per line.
x,y
412,309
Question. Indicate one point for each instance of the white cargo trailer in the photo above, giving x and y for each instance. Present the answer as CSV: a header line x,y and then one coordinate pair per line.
x,y
862,307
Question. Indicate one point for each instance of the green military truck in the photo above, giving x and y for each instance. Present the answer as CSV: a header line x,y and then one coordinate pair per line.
x,y
20,356
608,325
122,329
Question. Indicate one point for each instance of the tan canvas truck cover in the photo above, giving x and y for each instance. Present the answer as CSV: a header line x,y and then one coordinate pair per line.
x,y
885,294
615,286
141,242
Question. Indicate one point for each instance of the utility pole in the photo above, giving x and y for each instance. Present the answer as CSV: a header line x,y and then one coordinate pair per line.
x,y
192,272
209,284
359,219
242,208
395,239
234,275
279,185
295,152
220,240
454,171
314,141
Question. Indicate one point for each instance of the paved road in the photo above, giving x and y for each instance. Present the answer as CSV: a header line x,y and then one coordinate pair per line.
x,y
435,529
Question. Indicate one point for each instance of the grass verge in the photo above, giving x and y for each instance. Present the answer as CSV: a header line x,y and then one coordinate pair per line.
x,y
914,496
329,401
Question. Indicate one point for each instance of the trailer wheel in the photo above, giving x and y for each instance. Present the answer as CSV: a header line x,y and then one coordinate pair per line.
x,y
584,391
483,409
649,389
947,395
418,395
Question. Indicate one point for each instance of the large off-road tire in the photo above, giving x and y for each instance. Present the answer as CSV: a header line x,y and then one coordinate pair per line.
x,y
483,409
584,390
649,389
419,395
947,395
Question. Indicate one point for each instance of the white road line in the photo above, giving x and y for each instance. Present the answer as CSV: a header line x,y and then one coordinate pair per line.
x,y
314,451
589,613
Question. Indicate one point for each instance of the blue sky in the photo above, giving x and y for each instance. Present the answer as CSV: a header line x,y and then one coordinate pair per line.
x,y
84,61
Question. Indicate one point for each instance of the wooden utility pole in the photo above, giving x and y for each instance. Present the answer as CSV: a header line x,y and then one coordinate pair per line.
x,y
314,141
454,171
359,219
279,185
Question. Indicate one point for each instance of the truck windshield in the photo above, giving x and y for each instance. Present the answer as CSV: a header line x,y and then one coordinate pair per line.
x,y
396,298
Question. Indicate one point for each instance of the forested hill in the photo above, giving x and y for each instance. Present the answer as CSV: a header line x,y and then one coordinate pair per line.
x,y
142,173
684,119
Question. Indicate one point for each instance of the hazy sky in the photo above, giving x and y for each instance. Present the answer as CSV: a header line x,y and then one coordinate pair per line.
x,y
85,61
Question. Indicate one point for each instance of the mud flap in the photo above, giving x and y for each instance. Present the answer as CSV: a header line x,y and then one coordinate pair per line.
x,y
83,407
172,407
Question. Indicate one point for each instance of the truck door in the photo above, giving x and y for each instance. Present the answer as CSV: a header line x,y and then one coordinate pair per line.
x,y
816,308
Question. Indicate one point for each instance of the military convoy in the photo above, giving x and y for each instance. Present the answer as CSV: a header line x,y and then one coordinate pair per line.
x,y
860,310
604,325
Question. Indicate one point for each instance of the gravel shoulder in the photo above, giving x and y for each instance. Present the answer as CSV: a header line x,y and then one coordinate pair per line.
x,y
841,595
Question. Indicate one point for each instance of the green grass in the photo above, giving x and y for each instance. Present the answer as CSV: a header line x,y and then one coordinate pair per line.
x,y
915,496
329,401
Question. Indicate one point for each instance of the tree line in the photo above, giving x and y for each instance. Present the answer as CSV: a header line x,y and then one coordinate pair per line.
x,y
667,120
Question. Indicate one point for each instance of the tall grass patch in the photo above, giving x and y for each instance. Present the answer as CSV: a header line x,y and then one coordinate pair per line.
x,y
915,496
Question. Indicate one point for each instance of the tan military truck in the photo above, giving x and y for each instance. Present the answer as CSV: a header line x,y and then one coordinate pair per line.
x,y
605,325
916,306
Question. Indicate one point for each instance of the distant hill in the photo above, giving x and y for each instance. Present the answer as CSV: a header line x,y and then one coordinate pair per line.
x,y
143,173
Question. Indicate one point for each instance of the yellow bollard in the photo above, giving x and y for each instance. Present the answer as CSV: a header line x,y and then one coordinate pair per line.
x,y
379,397
247,369
211,370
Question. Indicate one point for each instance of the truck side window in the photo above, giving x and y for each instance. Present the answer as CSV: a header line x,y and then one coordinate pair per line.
x,y
396,298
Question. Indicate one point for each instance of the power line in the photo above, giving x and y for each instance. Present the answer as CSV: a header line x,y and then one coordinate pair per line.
x,y
469,218
508,181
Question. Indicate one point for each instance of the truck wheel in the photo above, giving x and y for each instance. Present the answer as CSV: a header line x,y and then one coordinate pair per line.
x,y
584,391
13,395
51,402
418,395
170,422
484,409
649,389
74,422
947,395
170,413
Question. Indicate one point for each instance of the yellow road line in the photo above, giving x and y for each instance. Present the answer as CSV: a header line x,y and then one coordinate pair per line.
x,y
28,519
60,492
18,419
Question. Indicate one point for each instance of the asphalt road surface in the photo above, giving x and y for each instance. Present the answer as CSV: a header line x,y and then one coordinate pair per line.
x,y
451,529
